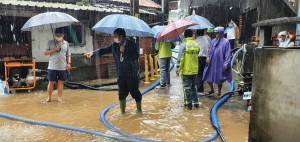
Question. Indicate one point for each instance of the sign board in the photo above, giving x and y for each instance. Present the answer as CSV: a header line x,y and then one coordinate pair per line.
x,y
247,95
173,5
141,50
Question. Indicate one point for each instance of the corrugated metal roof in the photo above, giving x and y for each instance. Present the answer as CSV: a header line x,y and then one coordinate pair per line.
x,y
57,5
277,21
146,3
146,12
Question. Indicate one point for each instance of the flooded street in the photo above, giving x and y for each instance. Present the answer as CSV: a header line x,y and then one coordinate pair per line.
x,y
90,44
163,117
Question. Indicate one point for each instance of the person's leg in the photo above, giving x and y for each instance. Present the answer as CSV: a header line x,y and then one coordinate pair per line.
x,y
219,90
50,90
168,70
194,90
187,91
133,86
163,72
232,43
202,66
123,93
199,76
52,77
211,88
60,90
62,77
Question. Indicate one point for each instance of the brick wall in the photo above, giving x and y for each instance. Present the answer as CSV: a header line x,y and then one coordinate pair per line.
x,y
100,41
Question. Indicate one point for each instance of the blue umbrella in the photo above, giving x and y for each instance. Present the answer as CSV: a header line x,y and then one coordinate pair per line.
x,y
202,22
133,26
157,29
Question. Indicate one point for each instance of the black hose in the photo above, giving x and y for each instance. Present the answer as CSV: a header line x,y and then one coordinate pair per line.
x,y
75,85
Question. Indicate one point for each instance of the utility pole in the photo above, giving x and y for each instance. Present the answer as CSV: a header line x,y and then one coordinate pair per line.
x,y
134,11
163,11
134,8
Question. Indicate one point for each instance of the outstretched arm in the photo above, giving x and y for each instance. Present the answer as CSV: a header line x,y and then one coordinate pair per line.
x,y
100,52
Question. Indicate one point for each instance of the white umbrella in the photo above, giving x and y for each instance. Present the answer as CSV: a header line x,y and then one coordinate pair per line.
x,y
48,20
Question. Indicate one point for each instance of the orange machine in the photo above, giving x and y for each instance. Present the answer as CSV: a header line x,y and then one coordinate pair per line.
x,y
19,63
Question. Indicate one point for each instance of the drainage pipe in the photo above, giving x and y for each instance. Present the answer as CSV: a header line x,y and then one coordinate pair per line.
x,y
60,126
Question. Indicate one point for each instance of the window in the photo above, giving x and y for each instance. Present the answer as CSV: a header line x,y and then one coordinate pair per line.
x,y
75,34
10,30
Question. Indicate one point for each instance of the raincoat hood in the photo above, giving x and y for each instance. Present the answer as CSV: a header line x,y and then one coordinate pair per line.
x,y
221,31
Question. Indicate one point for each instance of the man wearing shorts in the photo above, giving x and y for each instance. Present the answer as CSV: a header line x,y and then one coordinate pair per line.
x,y
59,63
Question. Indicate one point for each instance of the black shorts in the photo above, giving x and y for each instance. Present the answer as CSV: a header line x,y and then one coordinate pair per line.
x,y
55,75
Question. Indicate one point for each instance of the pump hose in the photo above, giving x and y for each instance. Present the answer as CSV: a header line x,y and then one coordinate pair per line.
x,y
84,86
60,126
75,85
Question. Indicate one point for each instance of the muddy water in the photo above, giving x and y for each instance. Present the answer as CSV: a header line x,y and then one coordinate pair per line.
x,y
163,117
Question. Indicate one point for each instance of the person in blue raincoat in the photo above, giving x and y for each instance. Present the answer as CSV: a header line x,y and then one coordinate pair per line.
x,y
126,55
218,68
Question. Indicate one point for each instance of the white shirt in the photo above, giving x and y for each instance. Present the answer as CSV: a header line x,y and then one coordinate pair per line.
x,y
230,31
285,43
208,39
291,44
204,45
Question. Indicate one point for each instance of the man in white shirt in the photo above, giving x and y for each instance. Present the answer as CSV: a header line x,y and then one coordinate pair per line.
x,y
283,39
202,41
230,31
206,36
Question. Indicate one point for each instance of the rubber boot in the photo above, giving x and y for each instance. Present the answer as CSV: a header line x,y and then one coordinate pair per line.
x,y
122,106
138,107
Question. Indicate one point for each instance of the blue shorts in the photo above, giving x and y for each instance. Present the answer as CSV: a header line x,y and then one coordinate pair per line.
x,y
55,75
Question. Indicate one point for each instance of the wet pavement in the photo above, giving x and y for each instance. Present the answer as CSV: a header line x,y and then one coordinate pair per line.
x,y
163,117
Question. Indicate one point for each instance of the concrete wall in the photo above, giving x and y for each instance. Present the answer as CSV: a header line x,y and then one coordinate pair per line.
x,y
276,114
270,9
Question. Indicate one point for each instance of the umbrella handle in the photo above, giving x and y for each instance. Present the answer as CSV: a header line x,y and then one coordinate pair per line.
x,y
55,42
121,57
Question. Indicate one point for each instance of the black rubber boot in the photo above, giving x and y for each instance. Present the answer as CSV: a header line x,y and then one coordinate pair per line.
x,y
138,107
122,106
189,107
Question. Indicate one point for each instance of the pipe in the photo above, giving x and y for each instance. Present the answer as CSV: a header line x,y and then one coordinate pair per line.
x,y
103,113
75,85
213,115
83,86
60,126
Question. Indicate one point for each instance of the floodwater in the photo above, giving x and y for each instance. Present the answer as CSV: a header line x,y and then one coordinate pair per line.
x,y
163,117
